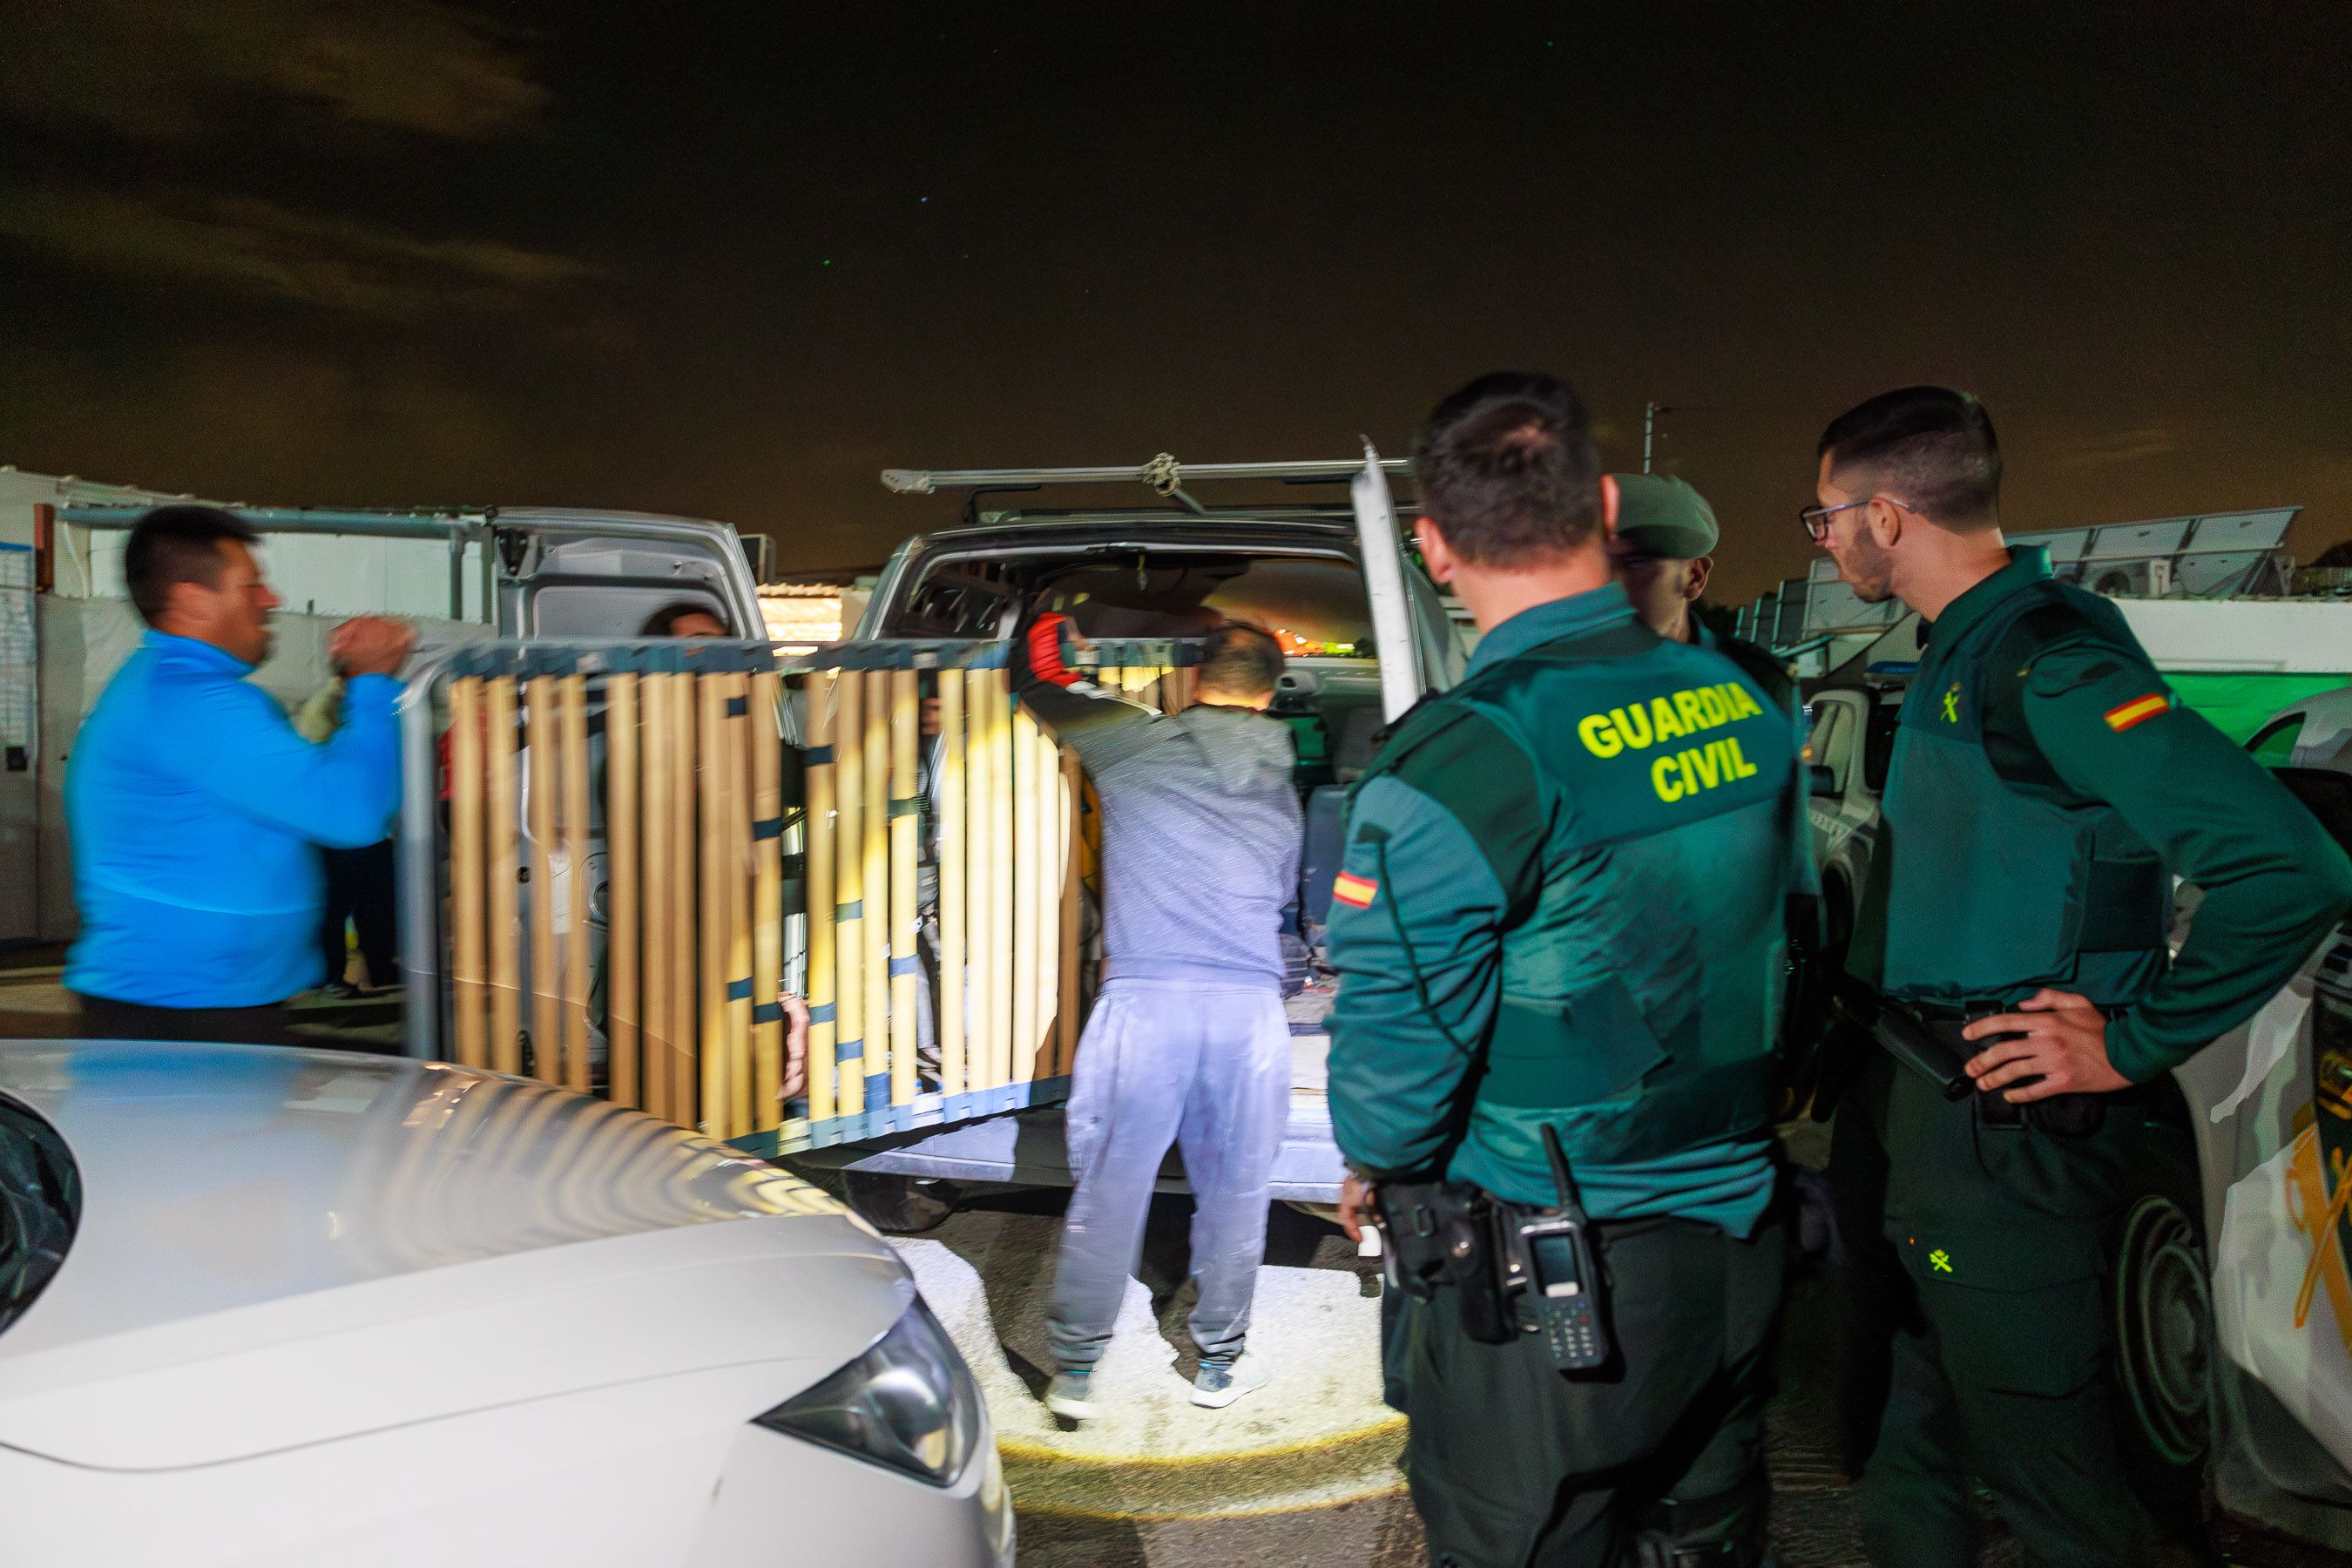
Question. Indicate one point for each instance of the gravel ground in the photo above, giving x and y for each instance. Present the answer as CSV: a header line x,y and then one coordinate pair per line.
x,y
1009,1238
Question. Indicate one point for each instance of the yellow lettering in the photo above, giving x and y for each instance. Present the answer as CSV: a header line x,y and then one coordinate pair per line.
x,y
1600,736
1663,719
1710,770
1663,780
1694,717
1712,705
1742,768
1690,779
1632,726
1744,703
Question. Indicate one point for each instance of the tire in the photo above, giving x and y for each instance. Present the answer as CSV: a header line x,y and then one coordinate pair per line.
x,y
898,1205
2164,1330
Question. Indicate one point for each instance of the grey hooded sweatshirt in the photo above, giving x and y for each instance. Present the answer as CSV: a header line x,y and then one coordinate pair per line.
x,y
1201,833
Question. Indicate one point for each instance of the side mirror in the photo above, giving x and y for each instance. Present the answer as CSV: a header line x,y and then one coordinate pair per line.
x,y
1821,779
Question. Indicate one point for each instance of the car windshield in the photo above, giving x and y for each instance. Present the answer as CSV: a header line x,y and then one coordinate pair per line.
x,y
40,1203
1316,605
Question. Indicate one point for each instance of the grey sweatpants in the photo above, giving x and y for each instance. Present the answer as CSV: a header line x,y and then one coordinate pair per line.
x,y
1170,1062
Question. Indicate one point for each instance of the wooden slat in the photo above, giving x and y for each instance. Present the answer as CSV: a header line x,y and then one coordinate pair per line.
x,y
659,936
906,839
710,703
767,898
1026,820
469,955
877,822
735,787
953,842
1046,914
984,978
502,870
543,785
571,713
849,889
822,978
1000,873
1065,1016
685,994
622,1037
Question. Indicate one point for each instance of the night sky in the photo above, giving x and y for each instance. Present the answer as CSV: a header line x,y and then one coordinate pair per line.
x,y
731,261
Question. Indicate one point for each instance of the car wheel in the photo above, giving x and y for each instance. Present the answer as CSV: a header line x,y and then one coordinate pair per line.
x,y
901,1205
2164,1330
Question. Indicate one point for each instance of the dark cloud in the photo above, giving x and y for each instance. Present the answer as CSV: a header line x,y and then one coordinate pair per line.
x,y
168,68
256,247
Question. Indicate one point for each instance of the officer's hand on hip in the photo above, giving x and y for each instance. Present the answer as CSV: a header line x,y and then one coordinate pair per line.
x,y
1355,1206
2060,1037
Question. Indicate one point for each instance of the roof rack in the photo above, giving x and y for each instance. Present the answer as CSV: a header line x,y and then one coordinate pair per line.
x,y
1163,476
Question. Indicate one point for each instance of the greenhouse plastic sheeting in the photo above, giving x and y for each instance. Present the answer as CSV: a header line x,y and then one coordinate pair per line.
x,y
2237,704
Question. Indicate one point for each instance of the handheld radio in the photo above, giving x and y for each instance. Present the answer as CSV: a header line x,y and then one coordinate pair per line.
x,y
1552,1255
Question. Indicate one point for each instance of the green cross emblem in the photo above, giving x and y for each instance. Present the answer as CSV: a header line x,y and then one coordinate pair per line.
x,y
1940,1261
1952,704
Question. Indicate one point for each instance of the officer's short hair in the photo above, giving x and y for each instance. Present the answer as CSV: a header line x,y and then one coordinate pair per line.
x,y
1508,470
1241,659
178,544
1930,447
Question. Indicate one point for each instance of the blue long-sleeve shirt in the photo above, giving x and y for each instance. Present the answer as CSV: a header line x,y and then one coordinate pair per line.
x,y
195,811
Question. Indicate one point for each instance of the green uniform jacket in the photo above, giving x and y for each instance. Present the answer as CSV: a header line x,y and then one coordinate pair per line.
x,y
1563,900
2046,787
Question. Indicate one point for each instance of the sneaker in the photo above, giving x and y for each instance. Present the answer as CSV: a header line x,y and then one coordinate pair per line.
x,y
1221,1383
1071,1394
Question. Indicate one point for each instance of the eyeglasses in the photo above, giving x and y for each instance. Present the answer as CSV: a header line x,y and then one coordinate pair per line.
x,y
1816,519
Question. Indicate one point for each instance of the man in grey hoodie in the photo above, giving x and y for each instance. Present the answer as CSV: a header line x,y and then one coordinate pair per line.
x,y
1187,1043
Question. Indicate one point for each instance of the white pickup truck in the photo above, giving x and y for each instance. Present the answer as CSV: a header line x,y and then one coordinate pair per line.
x,y
1366,632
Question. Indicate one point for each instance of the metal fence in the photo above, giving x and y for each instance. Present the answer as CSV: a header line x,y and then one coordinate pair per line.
x,y
641,846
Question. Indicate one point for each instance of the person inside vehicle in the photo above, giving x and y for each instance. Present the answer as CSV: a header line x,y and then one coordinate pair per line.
x,y
195,808
1187,1043
684,618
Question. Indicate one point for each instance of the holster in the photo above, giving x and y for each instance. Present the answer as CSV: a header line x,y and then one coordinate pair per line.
x,y
2058,1115
1860,1020
1443,1233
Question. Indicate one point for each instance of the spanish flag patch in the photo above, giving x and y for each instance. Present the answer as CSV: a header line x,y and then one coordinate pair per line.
x,y
2139,710
1357,892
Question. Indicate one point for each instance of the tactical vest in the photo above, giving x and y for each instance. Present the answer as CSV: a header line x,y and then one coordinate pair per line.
x,y
1991,879
1643,955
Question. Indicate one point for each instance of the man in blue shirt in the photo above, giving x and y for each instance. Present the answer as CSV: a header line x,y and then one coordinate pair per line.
x,y
195,807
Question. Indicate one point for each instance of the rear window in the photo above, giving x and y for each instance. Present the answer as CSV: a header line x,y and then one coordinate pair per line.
x,y
40,1204
1316,605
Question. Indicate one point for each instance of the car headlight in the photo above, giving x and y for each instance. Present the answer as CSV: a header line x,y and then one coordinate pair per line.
x,y
909,1403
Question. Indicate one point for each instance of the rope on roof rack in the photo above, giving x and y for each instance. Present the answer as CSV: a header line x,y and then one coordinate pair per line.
x,y
1162,475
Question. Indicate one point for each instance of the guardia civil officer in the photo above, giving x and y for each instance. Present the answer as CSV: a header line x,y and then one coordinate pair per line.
x,y
1661,554
1560,919
2045,788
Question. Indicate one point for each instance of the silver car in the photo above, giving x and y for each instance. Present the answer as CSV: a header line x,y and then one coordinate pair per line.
x,y
280,1307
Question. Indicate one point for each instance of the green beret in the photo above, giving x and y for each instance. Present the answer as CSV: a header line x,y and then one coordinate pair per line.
x,y
1664,517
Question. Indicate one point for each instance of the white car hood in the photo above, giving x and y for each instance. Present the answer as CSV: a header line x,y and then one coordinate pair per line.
x,y
279,1248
